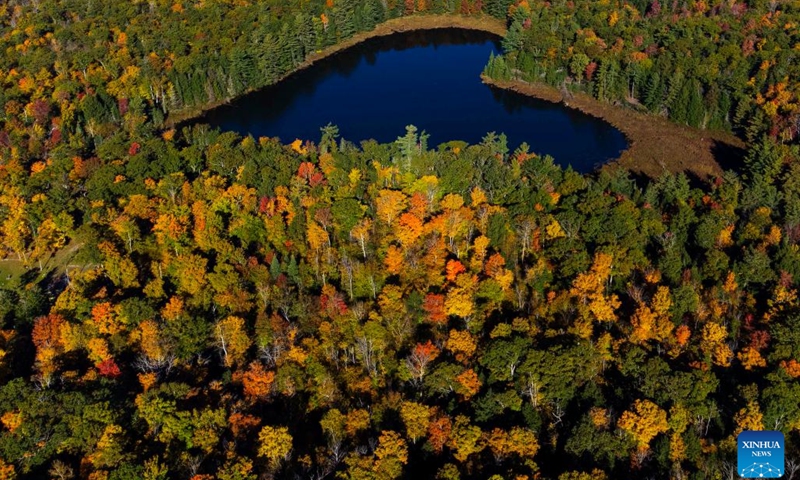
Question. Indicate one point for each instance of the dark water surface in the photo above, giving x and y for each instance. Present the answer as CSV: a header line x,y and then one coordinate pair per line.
x,y
429,79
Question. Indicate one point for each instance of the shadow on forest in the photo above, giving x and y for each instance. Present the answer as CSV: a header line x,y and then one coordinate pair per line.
x,y
640,179
729,157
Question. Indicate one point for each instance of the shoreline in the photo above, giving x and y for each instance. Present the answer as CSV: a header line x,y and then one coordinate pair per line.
x,y
483,23
655,144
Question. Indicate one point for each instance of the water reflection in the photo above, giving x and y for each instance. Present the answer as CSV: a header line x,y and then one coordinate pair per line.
x,y
430,79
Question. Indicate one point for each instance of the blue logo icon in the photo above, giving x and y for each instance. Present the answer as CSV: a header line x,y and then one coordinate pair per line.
x,y
760,454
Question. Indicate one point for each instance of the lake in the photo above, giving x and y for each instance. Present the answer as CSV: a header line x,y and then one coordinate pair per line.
x,y
430,79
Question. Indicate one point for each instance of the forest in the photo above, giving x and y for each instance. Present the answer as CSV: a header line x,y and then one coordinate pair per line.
x,y
178,302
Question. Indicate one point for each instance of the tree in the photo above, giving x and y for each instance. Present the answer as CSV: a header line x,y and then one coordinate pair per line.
x,y
122,271
333,423
465,439
409,229
589,288
390,456
231,339
518,441
274,444
462,344
257,381
416,418
361,233
410,145
595,474
389,204
439,432
47,338
713,344
643,423
418,360
7,472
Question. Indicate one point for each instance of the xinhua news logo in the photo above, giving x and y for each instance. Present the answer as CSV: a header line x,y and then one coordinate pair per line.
x,y
760,454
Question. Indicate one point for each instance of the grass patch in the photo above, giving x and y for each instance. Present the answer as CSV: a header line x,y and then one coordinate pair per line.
x,y
15,274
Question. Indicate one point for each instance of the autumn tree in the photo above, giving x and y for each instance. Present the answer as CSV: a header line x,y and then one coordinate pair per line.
x,y
231,339
274,444
643,422
416,418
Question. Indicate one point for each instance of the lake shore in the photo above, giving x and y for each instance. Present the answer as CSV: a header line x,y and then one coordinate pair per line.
x,y
412,23
655,143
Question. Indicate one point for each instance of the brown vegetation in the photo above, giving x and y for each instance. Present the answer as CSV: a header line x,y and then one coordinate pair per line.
x,y
656,144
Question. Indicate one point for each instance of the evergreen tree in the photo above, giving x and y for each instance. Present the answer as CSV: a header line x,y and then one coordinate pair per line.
x,y
654,92
695,111
607,80
409,147
764,160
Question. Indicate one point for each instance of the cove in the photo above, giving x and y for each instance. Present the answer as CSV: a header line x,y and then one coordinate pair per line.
x,y
428,78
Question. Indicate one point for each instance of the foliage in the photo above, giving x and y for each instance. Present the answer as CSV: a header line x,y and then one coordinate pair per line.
x,y
239,308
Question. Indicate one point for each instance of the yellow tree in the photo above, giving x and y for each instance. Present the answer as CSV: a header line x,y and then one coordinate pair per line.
x,y
713,344
390,456
14,229
274,444
409,229
49,237
109,449
360,233
459,301
333,423
395,260
190,272
679,419
479,247
749,418
317,236
589,289
596,474
416,418
389,204
7,471
643,423
231,339
465,439
660,306
467,384
518,441
357,421
119,269
643,323
150,341
751,358
462,344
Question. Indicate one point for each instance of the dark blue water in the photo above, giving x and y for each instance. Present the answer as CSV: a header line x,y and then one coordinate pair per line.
x,y
429,79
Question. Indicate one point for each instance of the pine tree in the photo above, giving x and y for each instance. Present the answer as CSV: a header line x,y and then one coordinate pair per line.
x,y
654,92
675,84
695,111
275,267
607,80
293,271
408,145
